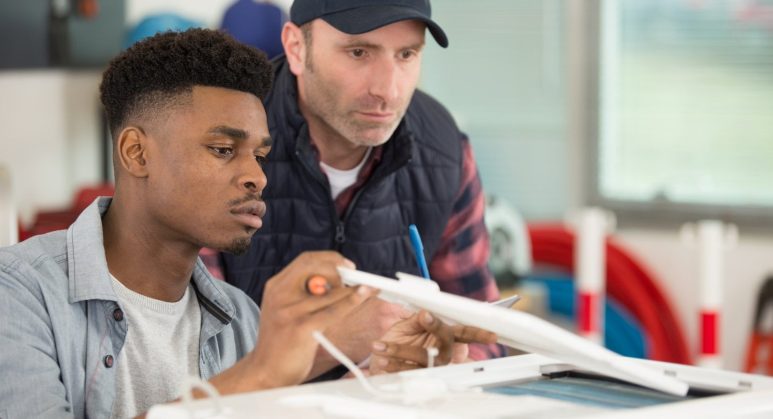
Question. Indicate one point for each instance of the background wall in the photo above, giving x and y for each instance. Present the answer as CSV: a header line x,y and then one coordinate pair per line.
x,y
50,135
503,78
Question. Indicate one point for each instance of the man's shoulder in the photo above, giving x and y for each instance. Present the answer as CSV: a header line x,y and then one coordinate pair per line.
x,y
423,105
282,84
430,121
433,128
35,253
35,269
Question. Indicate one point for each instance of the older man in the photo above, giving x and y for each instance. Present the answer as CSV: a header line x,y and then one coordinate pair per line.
x,y
360,154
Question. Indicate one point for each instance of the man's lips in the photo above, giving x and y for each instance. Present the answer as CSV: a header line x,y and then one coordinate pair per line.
x,y
250,213
378,116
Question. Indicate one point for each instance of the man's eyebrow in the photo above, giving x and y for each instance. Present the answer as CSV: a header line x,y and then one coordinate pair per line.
x,y
238,134
234,133
356,43
418,46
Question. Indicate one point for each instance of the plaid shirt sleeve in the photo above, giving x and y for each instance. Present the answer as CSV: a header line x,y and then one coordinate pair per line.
x,y
460,266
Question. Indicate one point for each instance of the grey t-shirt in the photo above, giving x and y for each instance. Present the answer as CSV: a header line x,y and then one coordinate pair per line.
x,y
161,349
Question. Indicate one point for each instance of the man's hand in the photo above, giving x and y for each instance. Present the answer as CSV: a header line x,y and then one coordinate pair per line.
x,y
285,349
404,347
357,332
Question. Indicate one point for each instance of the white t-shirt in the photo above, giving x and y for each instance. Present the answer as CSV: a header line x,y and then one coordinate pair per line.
x,y
342,179
161,348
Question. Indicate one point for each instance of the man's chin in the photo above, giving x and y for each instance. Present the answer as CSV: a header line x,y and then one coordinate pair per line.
x,y
237,246
371,140
371,135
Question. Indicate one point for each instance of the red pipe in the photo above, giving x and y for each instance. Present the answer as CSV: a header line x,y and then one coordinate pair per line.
x,y
628,281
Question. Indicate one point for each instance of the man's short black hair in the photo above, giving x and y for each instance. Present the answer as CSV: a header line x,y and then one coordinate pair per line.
x,y
155,71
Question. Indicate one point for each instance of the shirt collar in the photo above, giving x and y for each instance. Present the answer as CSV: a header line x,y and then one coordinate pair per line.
x,y
90,278
87,265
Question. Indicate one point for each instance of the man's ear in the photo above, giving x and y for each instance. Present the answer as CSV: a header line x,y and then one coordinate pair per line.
x,y
294,46
131,149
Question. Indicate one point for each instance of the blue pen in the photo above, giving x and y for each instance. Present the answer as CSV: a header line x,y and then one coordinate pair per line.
x,y
418,250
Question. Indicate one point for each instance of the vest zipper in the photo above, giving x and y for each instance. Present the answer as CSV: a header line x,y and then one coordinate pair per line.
x,y
339,236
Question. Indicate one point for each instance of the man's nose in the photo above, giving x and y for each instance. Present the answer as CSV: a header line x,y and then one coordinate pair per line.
x,y
384,80
252,178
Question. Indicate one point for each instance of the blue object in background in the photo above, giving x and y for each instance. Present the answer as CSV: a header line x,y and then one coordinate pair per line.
x,y
162,22
256,24
623,334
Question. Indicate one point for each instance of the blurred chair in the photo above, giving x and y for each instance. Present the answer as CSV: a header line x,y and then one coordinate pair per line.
x,y
258,24
47,221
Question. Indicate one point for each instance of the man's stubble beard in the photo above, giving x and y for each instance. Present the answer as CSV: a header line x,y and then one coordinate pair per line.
x,y
239,246
321,102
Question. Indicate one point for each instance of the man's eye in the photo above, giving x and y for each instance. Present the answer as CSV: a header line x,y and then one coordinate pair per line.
x,y
223,151
408,54
261,160
357,53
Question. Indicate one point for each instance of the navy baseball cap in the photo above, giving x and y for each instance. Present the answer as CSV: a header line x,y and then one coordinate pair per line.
x,y
360,16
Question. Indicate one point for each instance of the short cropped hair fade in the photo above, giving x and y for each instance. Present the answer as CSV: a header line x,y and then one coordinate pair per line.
x,y
155,72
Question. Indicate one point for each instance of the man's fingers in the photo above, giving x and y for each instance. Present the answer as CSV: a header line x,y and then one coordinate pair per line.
x,y
310,264
442,332
460,353
402,312
334,305
324,268
415,354
469,334
315,304
381,365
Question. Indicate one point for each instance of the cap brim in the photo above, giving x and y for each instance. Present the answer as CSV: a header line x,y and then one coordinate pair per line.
x,y
367,18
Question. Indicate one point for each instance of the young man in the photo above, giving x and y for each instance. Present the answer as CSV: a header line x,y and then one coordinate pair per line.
x,y
106,319
359,154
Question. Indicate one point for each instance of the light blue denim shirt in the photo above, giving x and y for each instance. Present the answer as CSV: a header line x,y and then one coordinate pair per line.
x,y
61,328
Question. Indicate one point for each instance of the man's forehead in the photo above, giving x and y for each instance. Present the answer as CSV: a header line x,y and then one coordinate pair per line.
x,y
213,100
225,112
217,91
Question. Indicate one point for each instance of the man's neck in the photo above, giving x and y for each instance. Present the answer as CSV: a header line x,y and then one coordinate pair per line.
x,y
141,259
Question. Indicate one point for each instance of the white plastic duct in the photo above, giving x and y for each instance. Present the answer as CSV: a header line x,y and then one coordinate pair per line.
x,y
591,225
712,238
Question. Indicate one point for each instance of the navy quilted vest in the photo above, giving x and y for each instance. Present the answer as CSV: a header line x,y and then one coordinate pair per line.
x,y
416,182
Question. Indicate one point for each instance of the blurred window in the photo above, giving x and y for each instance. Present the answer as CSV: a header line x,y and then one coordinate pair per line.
x,y
686,104
502,77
